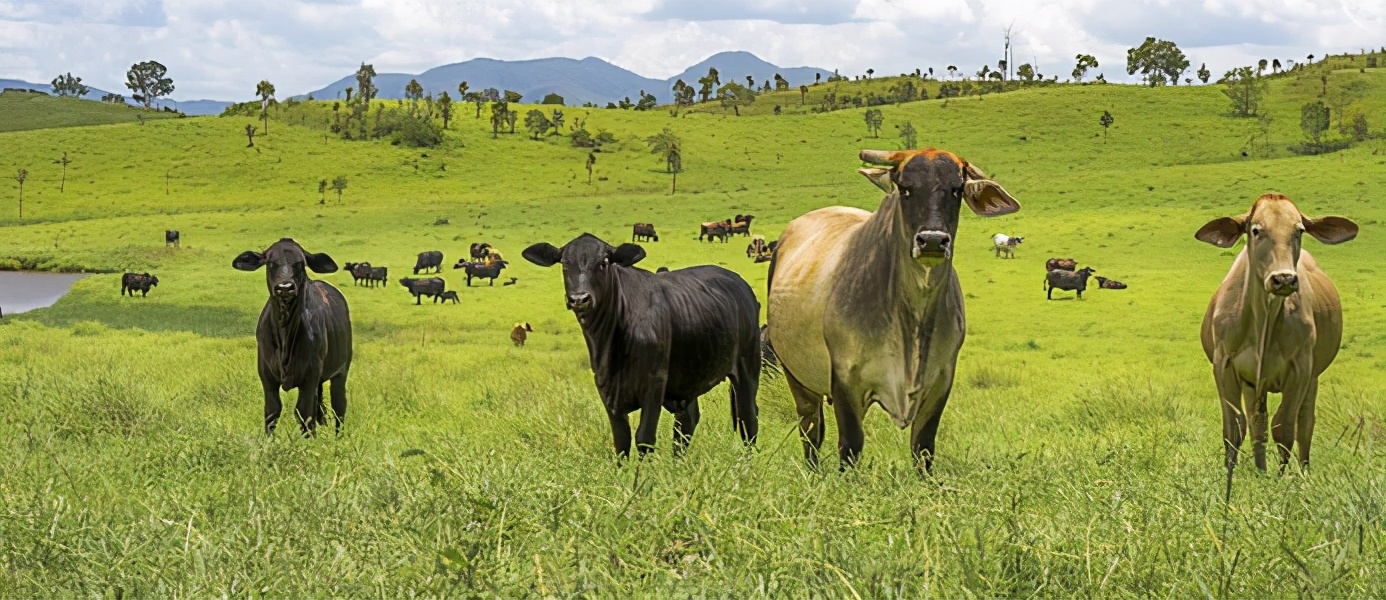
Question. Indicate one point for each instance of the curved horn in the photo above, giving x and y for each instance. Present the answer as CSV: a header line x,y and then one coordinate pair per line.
x,y
877,157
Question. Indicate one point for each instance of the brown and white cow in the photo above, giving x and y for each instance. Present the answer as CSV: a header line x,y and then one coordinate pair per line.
x,y
865,308
1273,326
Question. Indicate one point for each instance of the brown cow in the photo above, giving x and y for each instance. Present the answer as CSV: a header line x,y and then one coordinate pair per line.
x,y
865,308
643,232
1061,264
715,229
518,333
1273,326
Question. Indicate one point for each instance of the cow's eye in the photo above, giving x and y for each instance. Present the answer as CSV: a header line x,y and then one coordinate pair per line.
x,y
1256,230
905,192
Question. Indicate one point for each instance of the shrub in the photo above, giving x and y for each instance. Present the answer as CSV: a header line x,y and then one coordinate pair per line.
x,y
409,130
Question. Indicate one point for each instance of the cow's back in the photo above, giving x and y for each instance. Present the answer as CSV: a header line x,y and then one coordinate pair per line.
x,y
808,257
713,318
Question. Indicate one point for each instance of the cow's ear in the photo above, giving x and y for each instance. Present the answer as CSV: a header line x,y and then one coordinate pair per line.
x,y
1330,230
320,263
248,261
543,254
1222,232
627,255
878,176
988,199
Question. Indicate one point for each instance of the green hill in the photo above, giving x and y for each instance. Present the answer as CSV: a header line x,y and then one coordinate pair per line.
x,y
1080,453
21,111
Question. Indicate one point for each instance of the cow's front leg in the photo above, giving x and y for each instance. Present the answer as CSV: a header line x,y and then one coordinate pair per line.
x,y
685,421
273,406
924,433
847,409
309,398
620,433
646,432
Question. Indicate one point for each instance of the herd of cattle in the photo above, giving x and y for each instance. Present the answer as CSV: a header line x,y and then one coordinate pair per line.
x,y
862,308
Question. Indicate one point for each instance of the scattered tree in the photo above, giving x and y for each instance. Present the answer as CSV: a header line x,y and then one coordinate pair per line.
x,y
665,145
1157,57
817,78
1343,95
552,98
1260,67
557,120
708,83
734,96
1106,121
348,91
512,96
1314,120
445,108
265,90
1275,66
250,136
322,191
462,91
908,136
952,70
537,123
1203,73
499,109
339,184
1359,127
647,101
113,98
20,178
870,72
1085,62
414,92
874,120
1025,72
64,161
591,161
781,84
148,81
1245,89
66,85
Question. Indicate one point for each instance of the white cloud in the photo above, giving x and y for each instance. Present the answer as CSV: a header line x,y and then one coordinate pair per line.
x,y
220,48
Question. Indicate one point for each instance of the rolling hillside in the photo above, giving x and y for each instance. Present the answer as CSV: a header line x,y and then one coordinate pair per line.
x,y
1080,453
23,111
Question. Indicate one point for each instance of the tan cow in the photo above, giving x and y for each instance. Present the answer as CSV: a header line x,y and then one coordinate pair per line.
x,y
865,308
1273,326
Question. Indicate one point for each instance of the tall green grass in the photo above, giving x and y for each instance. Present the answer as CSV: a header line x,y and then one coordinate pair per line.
x,y
1081,450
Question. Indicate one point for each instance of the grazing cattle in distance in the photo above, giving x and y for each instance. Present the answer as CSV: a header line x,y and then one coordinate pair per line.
x,y
1110,284
1060,264
1005,244
304,334
479,251
715,229
379,276
741,224
1071,281
643,232
359,271
1273,326
660,340
757,247
449,295
487,270
130,282
865,308
511,282
433,286
432,259
171,238
520,333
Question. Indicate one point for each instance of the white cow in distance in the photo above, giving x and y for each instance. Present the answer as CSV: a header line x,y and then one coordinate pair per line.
x,y
1005,243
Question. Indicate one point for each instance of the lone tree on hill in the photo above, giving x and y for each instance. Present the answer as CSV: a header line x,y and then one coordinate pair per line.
x,y
1203,73
1314,120
445,108
734,96
1160,59
20,178
148,80
265,90
874,120
64,161
250,135
537,123
1085,62
339,183
66,85
1106,122
665,145
1245,89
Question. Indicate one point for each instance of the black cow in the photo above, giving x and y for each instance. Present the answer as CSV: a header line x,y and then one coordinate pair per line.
x,y
433,259
660,340
1076,281
482,270
379,275
449,295
304,335
1062,264
644,230
1110,284
741,224
479,251
433,286
171,238
359,271
130,282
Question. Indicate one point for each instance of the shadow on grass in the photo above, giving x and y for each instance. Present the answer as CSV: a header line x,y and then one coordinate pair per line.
x,y
140,313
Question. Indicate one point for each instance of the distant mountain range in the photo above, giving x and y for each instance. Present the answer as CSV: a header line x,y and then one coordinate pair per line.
x,y
577,81
188,107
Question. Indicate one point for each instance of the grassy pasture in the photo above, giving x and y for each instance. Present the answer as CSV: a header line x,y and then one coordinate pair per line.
x,y
26,111
1080,453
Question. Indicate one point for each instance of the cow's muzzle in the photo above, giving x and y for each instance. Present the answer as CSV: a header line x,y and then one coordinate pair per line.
x,y
285,290
932,246
1282,283
580,302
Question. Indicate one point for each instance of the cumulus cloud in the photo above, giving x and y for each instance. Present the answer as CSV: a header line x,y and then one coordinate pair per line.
x,y
220,48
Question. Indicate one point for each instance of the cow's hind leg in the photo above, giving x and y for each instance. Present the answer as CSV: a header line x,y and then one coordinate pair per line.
x,y
810,408
685,421
745,384
1305,432
320,416
339,404
850,436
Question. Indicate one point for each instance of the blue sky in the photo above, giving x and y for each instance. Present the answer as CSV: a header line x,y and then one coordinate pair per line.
x,y
220,48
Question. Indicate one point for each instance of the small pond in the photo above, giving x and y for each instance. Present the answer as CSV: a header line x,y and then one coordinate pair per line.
x,y
22,291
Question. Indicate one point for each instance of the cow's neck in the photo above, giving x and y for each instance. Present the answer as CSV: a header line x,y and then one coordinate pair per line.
x,y
603,328
1262,314
885,243
288,321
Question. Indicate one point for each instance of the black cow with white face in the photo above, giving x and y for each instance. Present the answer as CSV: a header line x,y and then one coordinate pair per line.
x,y
304,335
660,340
